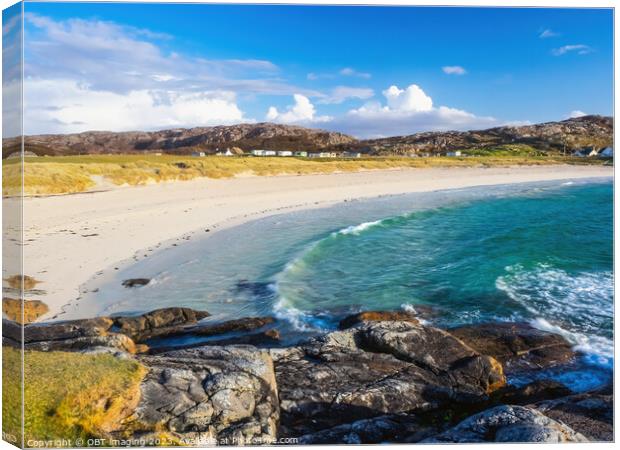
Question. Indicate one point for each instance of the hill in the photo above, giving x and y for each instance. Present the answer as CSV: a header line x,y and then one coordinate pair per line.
x,y
550,137
539,139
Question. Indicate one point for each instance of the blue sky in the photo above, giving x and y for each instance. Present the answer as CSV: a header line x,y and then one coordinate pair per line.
x,y
368,71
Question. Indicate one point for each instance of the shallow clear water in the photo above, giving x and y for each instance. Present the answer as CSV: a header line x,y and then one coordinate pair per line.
x,y
542,253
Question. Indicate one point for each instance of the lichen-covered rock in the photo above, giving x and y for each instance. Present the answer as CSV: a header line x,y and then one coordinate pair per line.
x,y
518,346
590,413
378,368
156,322
508,423
221,393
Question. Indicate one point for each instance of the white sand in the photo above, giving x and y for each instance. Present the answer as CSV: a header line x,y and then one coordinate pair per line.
x,y
70,238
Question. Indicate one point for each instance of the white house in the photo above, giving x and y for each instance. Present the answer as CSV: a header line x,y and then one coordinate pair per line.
x,y
607,152
454,153
351,155
302,154
226,152
322,155
263,152
285,153
198,154
586,152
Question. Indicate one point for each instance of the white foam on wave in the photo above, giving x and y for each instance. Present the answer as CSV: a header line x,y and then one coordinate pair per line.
x,y
357,229
568,183
408,307
581,302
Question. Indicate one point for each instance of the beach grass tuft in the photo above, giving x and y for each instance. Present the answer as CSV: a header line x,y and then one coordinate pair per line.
x,y
68,395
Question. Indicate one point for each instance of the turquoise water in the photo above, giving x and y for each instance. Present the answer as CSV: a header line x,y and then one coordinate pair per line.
x,y
541,253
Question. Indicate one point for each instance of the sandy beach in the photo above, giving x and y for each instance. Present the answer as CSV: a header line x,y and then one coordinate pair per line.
x,y
71,238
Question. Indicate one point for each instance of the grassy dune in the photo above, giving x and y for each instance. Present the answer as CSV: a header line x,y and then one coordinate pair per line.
x,y
69,174
67,395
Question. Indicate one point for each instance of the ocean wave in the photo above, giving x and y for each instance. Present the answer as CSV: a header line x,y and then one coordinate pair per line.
x,y
299,320
576,306
357,229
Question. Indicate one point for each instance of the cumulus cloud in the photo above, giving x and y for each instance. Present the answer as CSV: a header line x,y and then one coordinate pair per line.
x,y
406,111
454,70
302,111
580,49
576,113
548,33
339,94
54,106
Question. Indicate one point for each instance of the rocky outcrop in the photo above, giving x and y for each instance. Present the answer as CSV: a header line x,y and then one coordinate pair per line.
x,y
377,316
531,392
376,369
381,429
224,394
518,346
590,413
158,322
508,423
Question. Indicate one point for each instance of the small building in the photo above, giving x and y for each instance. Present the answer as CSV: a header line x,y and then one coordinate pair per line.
x,y
301,154
226,152
199,154
351,155
322,155
285,153
607,152
586,152
263,152
454,153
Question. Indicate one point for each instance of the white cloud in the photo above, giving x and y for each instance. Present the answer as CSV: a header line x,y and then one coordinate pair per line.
x,y
345,72
406,111
350,72
302,111
454,70
340,94
580,49
412,99
576,113
548,33
77,107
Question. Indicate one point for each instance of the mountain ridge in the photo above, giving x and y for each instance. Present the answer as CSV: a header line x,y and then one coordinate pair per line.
x,y
558,136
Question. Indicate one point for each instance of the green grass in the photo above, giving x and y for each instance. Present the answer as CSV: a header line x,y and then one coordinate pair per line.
x,y
68,395
69,174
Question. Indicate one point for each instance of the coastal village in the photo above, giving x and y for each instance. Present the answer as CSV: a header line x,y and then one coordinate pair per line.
x,y
586,152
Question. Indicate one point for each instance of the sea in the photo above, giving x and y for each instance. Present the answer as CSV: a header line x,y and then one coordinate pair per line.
x,y
540,253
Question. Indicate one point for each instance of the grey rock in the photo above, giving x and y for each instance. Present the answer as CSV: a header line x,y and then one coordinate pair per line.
x,y
375,369
590,413
518,346
381,429
508,423
227,393
158,322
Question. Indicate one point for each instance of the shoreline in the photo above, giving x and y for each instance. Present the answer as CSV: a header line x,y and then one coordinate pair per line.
x,y
69,240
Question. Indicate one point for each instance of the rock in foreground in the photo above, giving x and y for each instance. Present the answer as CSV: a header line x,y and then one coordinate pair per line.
x,y
508,424
211,394
375,369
